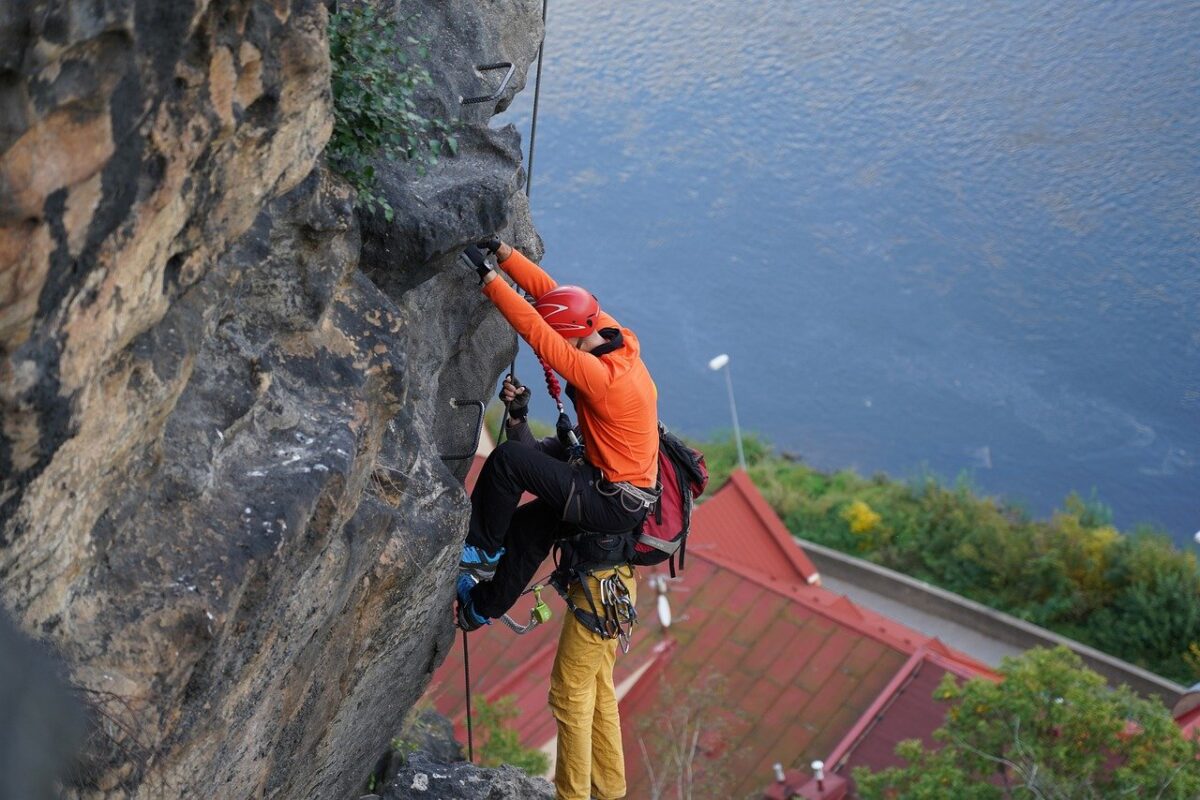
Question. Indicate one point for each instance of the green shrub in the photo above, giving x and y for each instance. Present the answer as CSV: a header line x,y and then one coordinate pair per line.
x,y
1154,614
498,741
374,83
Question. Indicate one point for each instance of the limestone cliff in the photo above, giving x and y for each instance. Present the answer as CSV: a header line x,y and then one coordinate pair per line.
x,y
222,496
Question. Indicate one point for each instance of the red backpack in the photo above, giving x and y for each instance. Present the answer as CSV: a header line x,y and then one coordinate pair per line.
x,y
682,477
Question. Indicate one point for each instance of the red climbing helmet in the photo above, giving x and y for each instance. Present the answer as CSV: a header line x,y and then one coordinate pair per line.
x,y
570,310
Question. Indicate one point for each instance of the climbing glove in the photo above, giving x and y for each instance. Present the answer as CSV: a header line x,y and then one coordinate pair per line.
x,y
473,258
518,407
565,431
490,245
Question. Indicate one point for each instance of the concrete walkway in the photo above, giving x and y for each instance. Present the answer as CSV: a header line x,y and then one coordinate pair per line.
x,y
972,642
975,629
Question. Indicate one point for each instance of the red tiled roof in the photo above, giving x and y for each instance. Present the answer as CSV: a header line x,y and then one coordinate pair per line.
x,y
794,687
902,711
1187,712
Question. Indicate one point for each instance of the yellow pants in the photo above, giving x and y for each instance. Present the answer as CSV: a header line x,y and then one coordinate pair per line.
x,y
591,762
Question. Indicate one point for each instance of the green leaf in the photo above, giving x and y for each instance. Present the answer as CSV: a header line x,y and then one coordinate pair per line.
x,y
375,108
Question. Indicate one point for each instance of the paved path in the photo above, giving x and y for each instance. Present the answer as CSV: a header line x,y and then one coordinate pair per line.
x,y
960,637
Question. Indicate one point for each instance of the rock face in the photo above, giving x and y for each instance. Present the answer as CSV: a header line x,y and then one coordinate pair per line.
x,y
222,496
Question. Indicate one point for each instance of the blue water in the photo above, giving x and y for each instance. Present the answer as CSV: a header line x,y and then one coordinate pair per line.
x,y
932,236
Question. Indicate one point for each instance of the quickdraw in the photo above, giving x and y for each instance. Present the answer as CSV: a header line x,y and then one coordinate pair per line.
x,y
615,615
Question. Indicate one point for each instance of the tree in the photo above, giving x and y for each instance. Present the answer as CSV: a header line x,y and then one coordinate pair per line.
x,y
1049,729
684,747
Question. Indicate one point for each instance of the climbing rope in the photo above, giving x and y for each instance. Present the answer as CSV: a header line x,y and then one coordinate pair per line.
x,y
536,616
537,95
467,674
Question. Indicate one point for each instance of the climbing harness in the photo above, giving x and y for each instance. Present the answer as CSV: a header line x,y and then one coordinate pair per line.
x,y
633,498
615,615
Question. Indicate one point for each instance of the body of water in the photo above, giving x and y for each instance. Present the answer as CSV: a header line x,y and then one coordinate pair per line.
x,y
932,236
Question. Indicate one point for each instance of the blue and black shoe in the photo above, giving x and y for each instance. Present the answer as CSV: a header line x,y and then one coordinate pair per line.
x,y
467,617
479,563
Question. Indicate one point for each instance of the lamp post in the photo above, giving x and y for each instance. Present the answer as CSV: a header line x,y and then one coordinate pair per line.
x,y
722,361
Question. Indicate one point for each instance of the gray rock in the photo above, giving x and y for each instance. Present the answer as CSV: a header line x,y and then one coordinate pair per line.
x,y
222,492
433,735
427,779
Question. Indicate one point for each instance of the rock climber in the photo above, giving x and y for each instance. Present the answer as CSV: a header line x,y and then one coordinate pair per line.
x,y
606,488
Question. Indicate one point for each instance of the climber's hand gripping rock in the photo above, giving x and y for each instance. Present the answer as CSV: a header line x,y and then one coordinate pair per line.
x,y
473,258
494,246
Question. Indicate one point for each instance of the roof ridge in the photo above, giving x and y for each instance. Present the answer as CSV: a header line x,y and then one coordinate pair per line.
x,y
772,524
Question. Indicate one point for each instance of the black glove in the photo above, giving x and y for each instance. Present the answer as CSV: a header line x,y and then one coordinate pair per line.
x,y
565,431
518,408
490,245
472,258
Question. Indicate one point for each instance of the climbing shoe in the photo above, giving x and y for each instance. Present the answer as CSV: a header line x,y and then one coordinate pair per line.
x,y
479,563
467,617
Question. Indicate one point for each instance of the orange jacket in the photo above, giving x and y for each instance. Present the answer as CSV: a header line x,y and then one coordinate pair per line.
x,y
615,398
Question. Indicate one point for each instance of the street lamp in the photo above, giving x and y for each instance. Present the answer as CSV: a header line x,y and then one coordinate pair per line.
x,y
716,364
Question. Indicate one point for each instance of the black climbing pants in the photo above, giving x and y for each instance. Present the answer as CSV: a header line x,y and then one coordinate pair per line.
x,y
569,499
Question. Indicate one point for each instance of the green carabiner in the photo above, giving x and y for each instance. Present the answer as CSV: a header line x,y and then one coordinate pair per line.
x,y
541,612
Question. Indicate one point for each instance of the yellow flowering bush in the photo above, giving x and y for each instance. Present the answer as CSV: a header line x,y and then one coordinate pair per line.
x,y
861,517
